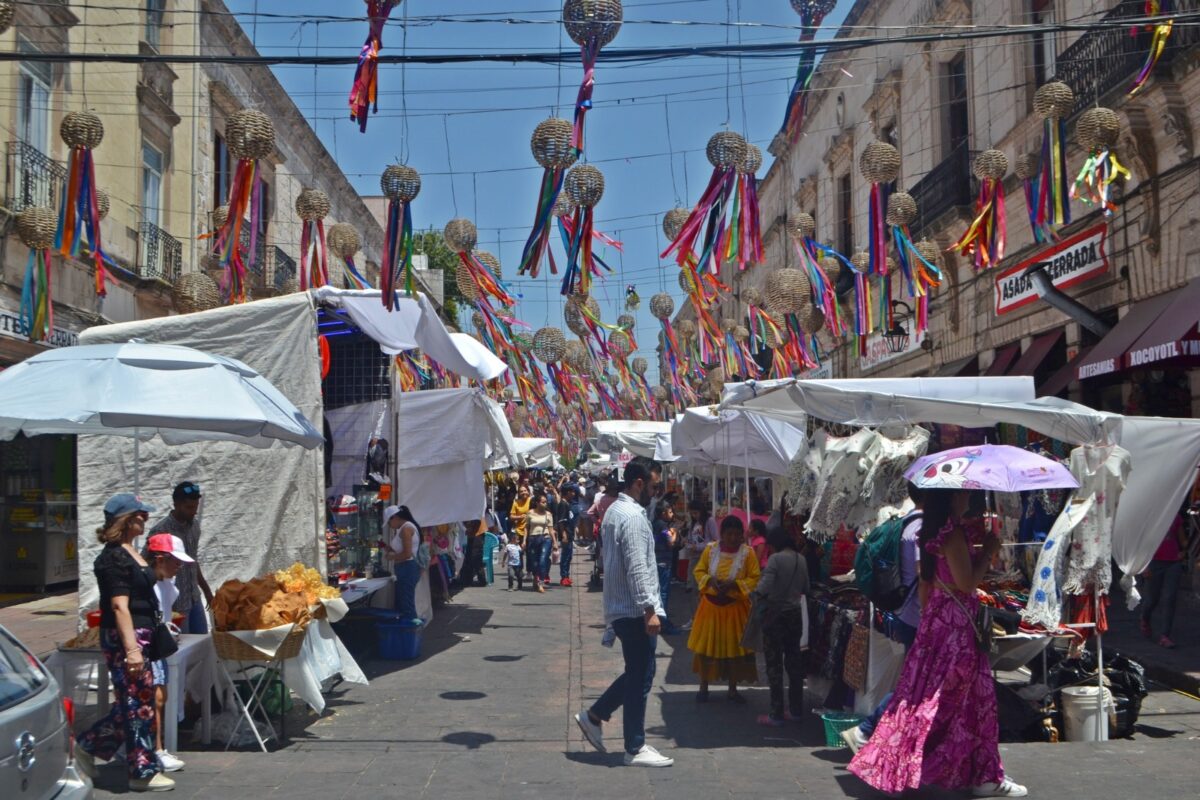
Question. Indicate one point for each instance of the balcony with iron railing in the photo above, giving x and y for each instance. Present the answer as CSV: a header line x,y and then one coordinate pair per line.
x,y
160,255
34,179
948,186
285,270
258,268
1104,60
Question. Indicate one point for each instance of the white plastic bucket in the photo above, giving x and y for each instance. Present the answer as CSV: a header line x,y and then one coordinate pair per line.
x,y
1083,719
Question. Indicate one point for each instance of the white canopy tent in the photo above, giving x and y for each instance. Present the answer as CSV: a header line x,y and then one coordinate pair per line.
x,y
530,451
640,437
739,439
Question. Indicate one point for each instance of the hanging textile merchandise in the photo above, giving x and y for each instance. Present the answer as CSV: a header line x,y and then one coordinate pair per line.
x,y
811,12
400,184
585,186
79,213
983,241
250,136
364,93
1097,131
312,206
36,227
1053,102
1027,170
551,146
1158,41
345,244
591,24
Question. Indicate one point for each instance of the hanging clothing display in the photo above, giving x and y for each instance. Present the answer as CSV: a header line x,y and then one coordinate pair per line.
x,y
1045,599
1102,473
885,484
803,476
844,469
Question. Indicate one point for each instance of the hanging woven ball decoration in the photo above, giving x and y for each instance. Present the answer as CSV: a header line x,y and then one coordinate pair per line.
x,y
400,182
801,226
576,355
311,205
102,203
1054,100
619,344
195,291
726,150
686,330
716,378
564,206
551,144
573,313
81,129
1098,129
343,241
860,260
990,165
461,235
660,393
832,269
639,366
549,344
585,185
727,324
477,321
879,162
8,9
752,163
249,134
931,253
220,216
519,416
673,222
625,321
662,306
777,337
36,226
687,282
752,296
818,6
901,209
593,20
741,333
1027,166
466,286
488,260
812,319
787,291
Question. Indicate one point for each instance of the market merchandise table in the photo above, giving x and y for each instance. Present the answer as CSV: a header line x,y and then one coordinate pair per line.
x,y
192,670
359,589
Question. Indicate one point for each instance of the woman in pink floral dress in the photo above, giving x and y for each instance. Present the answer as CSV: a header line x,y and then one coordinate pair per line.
x,y
941,728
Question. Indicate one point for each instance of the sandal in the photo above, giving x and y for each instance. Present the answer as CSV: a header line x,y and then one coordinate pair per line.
x,y
702,696
737,697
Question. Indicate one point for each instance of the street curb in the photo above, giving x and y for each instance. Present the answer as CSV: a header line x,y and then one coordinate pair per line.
x,y
1171,678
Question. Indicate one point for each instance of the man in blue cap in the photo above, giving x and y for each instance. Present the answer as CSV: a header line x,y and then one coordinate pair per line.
x,y
182,522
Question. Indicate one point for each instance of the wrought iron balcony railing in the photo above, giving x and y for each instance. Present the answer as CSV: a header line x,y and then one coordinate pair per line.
x,y
160,255
1104,60
285,270
258,271
947,186
34,179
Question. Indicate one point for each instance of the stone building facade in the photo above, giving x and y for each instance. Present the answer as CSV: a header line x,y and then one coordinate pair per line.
x,y
942,102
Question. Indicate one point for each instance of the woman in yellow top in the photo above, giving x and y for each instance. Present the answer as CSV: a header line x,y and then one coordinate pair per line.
x,y
726,572
519,513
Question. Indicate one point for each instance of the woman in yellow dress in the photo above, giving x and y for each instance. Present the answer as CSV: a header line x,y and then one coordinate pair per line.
x,y
726,572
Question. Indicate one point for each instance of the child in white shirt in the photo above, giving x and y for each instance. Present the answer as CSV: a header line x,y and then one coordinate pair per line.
x,y
512,560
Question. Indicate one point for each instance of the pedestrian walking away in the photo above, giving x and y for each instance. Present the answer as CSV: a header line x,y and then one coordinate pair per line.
x,y
783,589
633,609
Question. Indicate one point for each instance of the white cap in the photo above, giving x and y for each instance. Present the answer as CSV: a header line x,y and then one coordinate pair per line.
x,y
388,513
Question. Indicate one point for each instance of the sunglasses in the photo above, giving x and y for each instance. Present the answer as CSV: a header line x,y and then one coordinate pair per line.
x,y
190,491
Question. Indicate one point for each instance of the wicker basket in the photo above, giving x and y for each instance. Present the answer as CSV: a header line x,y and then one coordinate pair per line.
x,y
727,150
879,162
36,226
220,216
576,355
488,260
931,253
752,163
990,165
564,206
81,129
639,366
673,222
1054,100
801,226
832,269
250,134
551,144
861,260
619,344
593,20
626,321
812,319
901,209
662,306
1098,128
751,296
312,205
231,648
400,182
687,282
195,291
585,185
460,235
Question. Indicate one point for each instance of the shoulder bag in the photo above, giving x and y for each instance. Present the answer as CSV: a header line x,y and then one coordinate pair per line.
x,y
162,641
981,622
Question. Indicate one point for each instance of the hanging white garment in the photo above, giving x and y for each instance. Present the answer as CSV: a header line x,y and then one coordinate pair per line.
x,y
1102,473
1045,600
885,484
804,474
843,471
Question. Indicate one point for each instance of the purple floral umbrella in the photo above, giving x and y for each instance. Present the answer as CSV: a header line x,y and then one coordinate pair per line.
x,y
989,467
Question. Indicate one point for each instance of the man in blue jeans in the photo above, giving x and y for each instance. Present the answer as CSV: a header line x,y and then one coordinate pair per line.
x,y
632,607
566,518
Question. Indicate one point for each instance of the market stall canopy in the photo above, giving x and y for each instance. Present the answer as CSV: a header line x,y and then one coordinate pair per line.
x,y
531,452
413,325
639,437
704,435
137,389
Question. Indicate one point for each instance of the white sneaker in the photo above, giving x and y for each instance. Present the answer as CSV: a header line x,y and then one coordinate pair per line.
x,y
647,757
170,763
1004,788
591,731
157,782
854,739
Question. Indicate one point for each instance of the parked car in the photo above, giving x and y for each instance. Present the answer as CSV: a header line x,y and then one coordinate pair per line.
x,y
37,747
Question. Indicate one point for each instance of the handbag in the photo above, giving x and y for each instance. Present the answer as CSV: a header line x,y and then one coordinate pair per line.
x,y
162,641
752,634
981,622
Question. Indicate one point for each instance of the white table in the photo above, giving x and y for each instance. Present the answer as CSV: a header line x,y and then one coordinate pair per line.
x,y
192,670
357,589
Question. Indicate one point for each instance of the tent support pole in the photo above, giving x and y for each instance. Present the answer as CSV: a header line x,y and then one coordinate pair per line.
x,y
137,462
746,491
1100,717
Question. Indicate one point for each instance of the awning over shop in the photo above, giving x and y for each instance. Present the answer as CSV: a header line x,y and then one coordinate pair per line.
x,y
1172,337
1005,356
957,368
1109,355
1032,358
1062,379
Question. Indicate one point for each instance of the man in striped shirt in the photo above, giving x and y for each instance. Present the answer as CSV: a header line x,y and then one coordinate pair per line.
x,y
632,607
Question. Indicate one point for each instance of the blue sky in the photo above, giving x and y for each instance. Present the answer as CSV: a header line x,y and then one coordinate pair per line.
x,y
643,115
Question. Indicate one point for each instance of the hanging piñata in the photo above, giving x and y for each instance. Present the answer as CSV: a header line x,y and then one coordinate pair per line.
x,y
920,274
345,244
811,13
250,136
983,241
312,206
1053,102
551,146
591,24
709,224
879,164
1158,41
1026,169
400,184
1097,131
36,227
585,186
79,212
364,94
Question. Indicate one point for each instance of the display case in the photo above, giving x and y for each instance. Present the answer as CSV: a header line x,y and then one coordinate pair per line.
x,y
356,520
39,546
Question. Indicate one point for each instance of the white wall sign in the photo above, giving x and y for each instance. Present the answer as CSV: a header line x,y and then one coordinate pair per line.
x,y
10,326
824,372
877,349
1074,260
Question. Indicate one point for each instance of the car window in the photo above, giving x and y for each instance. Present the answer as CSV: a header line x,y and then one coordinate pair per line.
x,y
20,673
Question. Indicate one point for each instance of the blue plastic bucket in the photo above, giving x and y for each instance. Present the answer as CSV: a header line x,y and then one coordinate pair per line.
x,y
399,640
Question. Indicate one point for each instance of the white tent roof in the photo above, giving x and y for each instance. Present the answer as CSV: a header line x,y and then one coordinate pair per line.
x,y
639,437
530,451
745,440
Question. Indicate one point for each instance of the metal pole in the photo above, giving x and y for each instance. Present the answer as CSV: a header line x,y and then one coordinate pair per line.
x,y
1100,717
137,463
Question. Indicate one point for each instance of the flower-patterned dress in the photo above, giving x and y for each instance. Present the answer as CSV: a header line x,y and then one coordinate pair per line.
x,y
941,727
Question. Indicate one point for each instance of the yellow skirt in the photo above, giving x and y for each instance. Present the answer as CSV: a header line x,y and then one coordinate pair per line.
x,y
716,642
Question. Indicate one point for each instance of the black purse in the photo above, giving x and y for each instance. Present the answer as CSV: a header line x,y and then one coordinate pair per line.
x,y
162,641
981,623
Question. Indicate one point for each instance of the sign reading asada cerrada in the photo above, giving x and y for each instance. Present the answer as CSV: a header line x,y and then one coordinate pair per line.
x,y
1080,258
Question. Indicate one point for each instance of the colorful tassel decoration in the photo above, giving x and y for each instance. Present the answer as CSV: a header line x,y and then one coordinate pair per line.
x,y
811,12
400,184
36,227
551,146
250,136
591,24
879,165
345,244
1054,102
801,227
1158,42
1097,131
1027,170
585,186
312,206
920,274
983,241
80,212
364,93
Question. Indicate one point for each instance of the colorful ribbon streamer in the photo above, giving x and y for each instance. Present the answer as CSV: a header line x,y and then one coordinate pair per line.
x,y
1158,42
984,238
811,15
244,198
588,53
1042,233
920,276
1053,191
1095,179
397,253
364,93
729,222
79,215
37,300
314,256
537,246
354,277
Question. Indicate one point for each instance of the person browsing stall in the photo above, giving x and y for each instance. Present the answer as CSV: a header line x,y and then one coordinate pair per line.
x,y
183,521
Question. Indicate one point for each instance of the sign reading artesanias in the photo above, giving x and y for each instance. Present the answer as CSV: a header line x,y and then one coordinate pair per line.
x,y
1074,260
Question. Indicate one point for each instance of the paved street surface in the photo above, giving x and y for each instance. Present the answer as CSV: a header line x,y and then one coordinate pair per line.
x,y
486,713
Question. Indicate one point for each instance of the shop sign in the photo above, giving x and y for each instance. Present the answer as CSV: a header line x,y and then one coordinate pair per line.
x,y
1080,258
824,372
878,353
10,326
